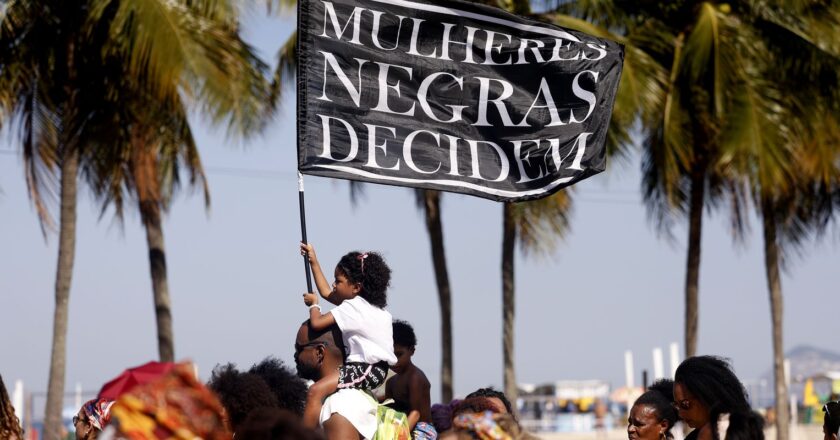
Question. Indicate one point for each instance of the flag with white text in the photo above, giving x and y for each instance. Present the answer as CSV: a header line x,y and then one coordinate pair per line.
x,y
451,96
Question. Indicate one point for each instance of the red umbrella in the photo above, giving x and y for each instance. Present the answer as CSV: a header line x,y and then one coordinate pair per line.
x,y
132,377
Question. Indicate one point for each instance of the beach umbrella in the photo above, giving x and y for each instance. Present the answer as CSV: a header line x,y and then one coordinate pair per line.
x,y
132,377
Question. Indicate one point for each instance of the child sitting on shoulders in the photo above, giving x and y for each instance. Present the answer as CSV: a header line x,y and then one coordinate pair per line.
x,y
409,388
361,280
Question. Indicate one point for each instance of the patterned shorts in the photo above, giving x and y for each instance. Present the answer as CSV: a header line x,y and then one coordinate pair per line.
x,y
363,376
424,431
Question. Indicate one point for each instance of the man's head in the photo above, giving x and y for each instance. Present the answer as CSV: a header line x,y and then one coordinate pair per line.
x,y
317,352
498,398
404,343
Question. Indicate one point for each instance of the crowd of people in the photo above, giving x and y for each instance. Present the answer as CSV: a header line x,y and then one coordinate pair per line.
x,y
364,385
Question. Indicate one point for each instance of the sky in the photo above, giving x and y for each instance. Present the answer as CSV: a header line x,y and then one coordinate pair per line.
x,y
236,277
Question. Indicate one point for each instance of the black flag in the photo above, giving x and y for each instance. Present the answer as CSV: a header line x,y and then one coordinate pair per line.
x,y
451,96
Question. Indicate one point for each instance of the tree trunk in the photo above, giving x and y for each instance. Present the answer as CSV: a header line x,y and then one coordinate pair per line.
x,y
63,278
508,310
774,284
434,227
150,213
692,270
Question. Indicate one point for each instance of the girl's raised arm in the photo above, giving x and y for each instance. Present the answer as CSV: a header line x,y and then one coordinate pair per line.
x,y
319,321
321,282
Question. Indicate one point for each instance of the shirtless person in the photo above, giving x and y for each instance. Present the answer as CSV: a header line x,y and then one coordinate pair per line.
x,y
409,388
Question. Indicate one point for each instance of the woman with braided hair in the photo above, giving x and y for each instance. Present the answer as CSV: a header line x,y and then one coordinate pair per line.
x,y
9,423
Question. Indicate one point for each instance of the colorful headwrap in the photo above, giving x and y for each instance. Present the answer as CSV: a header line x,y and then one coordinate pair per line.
x,y
97,412
176,406
482,425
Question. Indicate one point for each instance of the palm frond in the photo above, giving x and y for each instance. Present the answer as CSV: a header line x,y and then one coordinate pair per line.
x,y
541,223
286,69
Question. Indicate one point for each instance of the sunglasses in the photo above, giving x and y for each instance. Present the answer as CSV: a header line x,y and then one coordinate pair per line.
x,y
684,405
77,419
299,348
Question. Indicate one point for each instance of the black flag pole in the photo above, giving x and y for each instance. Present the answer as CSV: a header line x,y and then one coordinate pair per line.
x,y
303,232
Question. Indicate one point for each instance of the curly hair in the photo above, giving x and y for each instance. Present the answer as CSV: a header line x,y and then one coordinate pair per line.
x,y
490,392
473,405
9,423
289,389
711,380
240,393
659,396
371,272
404,334
275,424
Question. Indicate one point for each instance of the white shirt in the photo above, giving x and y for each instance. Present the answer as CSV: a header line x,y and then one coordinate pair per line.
x,y
366,330
355,406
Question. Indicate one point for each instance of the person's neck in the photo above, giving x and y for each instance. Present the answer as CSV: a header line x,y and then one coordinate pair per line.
x,y
329,365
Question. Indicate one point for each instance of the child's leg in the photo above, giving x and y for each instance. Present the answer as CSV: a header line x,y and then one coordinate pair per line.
x,y
315,398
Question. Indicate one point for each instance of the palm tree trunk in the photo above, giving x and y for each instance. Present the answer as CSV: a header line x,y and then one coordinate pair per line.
x,y
508,292
150,213
434,227
63,278
692,270
774,284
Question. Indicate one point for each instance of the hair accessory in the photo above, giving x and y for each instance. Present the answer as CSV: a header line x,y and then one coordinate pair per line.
x,y
362,258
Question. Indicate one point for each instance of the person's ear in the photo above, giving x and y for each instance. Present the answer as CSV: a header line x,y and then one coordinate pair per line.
x,y
357,287
412,351
663,426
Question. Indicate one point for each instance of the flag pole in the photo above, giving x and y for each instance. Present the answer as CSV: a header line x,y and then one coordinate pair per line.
x,y
303,232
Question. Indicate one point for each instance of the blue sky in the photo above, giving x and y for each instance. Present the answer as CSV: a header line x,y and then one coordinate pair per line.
x,y
236,276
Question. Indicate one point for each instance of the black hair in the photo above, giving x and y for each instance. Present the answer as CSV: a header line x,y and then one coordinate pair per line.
x,y
404,334
831,422
289,389
490,392
9,423
478,404
275,424
371,272
711,380
240,393
659,396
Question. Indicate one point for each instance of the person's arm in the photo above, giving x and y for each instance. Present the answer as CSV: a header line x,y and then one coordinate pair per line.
x,y
337,427
321,282
419,401
319,321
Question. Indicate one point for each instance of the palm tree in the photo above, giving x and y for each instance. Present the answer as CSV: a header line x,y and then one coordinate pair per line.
x,y
536,225
49,59
429,202
722,114
143,161
41,48
787,159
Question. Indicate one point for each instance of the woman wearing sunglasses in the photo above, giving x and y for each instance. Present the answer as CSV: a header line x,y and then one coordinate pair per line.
x,y
708,395
652,416
831,423
92,418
